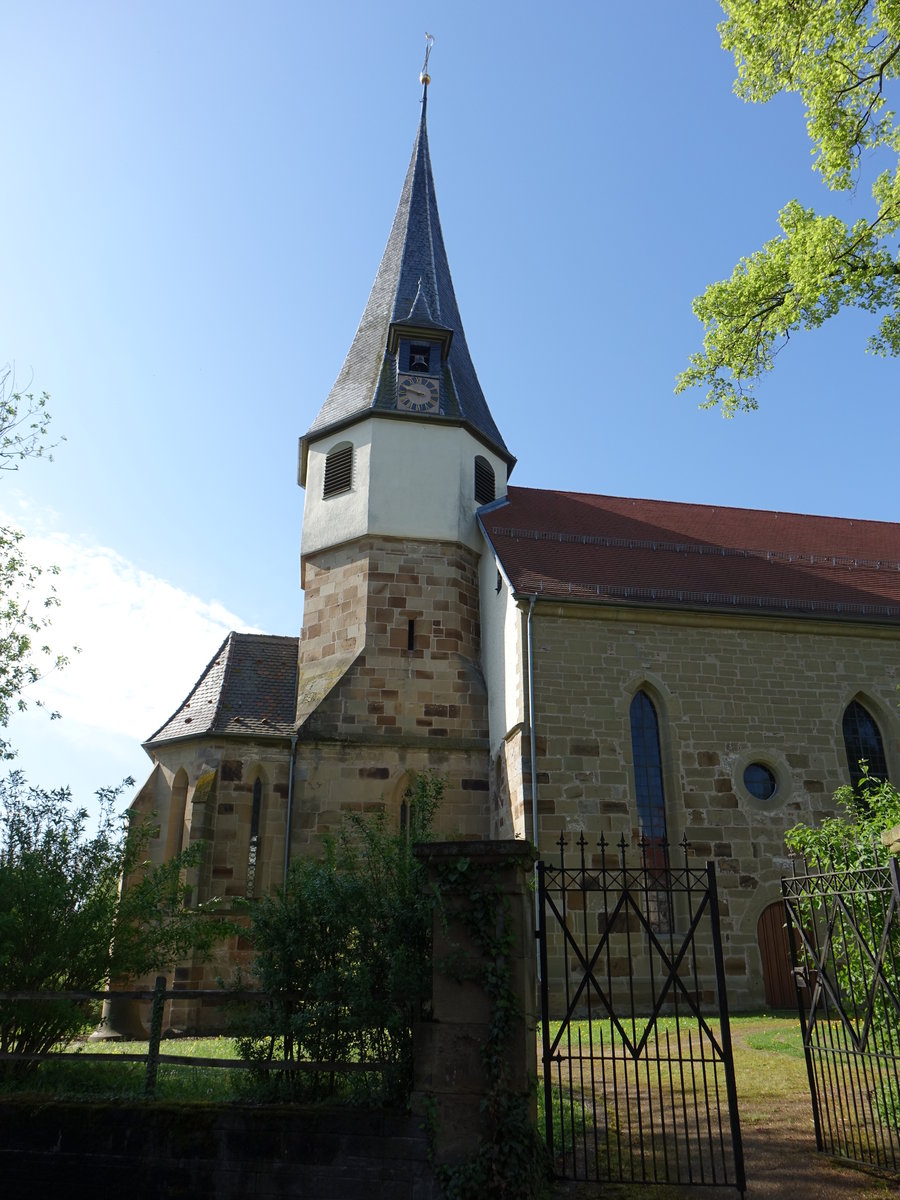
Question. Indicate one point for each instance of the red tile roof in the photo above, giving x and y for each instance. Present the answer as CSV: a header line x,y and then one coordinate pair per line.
x,y
570,545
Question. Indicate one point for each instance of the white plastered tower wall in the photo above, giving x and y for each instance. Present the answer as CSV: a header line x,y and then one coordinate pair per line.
x,y
503,658
411,479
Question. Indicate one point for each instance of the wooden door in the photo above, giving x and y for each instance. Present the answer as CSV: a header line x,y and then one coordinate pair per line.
x,y
775,951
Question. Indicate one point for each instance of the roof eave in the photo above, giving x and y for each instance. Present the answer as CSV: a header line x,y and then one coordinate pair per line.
x,y
832,615
213,735
434,333
386,414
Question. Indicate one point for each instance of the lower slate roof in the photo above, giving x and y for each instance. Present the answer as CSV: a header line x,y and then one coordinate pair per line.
x,y
249,687
611,549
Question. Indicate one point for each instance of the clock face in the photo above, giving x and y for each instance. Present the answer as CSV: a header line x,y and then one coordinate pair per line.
x,y
418,394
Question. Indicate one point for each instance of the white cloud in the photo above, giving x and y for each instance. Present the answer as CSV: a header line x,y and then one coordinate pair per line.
x,y
143,644
143,641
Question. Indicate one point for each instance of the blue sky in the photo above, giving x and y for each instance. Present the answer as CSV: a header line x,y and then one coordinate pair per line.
x,y
196,199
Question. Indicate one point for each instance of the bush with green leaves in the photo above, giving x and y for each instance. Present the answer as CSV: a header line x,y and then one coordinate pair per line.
x,y
850,909
66,924
853,840
344,953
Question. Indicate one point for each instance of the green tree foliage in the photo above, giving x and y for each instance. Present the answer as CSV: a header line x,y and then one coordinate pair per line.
x,y
24,424
344,952
24,654
25,604
65,925
843,58
854,840
860,930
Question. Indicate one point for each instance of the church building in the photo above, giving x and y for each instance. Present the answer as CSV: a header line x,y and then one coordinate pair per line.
x,y
568,663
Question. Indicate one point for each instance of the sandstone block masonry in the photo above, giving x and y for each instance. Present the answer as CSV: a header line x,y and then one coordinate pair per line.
x,y
411,696
390,654
727,692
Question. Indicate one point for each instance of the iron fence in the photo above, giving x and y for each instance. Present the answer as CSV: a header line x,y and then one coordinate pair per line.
x,y
846,960
638,1076
153,1056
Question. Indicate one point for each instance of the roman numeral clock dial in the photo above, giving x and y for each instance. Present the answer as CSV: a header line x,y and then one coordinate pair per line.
x,y
418,394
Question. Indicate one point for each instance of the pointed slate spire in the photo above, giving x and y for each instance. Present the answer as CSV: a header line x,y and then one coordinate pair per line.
x,y
413,287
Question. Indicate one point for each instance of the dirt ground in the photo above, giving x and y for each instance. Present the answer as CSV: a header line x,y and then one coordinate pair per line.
x,y
780,1155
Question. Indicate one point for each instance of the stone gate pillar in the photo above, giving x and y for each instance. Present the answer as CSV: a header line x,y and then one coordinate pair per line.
x,y
452,1076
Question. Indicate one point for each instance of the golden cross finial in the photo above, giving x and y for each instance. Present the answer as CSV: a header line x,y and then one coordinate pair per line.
x,y
424,77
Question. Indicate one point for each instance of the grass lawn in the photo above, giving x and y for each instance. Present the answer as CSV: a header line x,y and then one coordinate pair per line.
x,y
777,1128
84,1076
773,1102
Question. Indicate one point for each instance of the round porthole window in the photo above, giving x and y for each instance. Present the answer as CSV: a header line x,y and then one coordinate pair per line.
x,y
760,781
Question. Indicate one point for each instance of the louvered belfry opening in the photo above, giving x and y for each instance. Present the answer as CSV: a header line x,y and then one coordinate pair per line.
x,y
484,481
338,470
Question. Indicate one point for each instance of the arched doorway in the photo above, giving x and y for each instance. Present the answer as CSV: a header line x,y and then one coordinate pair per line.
x,y
775,952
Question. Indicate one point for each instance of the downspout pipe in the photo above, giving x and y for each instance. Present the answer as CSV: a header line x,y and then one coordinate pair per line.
x,y
533,752
290,810
531,733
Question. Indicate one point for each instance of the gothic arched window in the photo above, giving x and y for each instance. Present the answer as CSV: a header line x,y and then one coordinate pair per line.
x,y
254,835
862,740
648,776
176,838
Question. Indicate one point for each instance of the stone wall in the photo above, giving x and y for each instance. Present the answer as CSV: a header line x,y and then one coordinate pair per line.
x,y
410,695
153,1152
220,777
156,1150
432,690
728,691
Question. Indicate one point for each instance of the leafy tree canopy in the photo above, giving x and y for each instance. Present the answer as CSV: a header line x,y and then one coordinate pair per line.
x,y
843,58
24,423
25,605
66,921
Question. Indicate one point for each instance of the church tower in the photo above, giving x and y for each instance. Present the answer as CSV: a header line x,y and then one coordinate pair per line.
x,y
395,464
280,736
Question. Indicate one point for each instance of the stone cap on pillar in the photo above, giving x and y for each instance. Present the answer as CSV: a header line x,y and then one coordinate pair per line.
x,y
481,854
482,851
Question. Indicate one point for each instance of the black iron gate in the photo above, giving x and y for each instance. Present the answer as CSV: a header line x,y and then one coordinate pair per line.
x,y
638,1078
846,954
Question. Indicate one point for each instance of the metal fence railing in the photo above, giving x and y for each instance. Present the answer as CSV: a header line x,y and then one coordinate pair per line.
x,y
159,996
845,951
638,1075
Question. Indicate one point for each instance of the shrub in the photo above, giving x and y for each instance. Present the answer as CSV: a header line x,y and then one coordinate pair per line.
x,y
853,840
65,923
852,919
344,952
